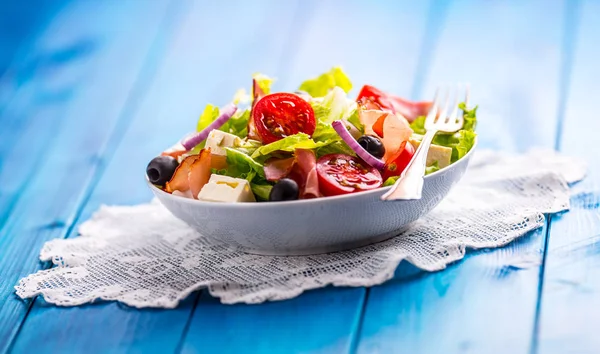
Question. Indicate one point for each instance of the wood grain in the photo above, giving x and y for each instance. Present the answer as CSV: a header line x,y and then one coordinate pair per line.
x,y
511,57
90,118
198,67
71,92
569,301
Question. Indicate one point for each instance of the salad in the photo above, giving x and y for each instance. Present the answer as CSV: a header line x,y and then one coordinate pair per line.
x,y
312,143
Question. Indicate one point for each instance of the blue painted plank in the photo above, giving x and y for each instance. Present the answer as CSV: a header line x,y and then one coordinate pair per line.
x,y
73,86
21,25
569,311
483,304
347,33
317,322
207,61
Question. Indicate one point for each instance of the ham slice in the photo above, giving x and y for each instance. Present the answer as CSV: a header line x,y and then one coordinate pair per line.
x,y
373,98
199,172
392,129
302,169
191,175
276,169
180,181
409,109
369,118
397,132
304,173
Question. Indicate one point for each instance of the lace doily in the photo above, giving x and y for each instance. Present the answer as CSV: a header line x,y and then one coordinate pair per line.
x,y
144,257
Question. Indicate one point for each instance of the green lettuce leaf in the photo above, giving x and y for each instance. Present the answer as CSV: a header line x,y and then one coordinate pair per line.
x,y
244,169
429,169
238,123
462,141
324,132
355,120
241,165
300,141
261,190
248,146
264,82
335,105
390,181
289,144
320,86
470,117
208,116
336,147
433,168
418,125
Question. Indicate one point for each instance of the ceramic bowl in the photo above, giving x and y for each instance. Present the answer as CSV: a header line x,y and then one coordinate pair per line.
x,y
312,226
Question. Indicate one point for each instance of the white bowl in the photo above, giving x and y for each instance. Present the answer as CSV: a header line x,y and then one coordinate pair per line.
x,y
312,226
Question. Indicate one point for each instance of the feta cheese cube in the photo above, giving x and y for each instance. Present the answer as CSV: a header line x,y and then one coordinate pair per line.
x,y
217,141
226,189
441,154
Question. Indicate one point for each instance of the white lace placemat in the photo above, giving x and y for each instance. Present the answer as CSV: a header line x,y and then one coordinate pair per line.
x,y
144,257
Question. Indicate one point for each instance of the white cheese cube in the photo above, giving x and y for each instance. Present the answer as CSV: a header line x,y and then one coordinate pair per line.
x,y
226,189
436,153
217,141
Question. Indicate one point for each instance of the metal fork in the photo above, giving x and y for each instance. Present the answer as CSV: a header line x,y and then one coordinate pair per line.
x,y
410,183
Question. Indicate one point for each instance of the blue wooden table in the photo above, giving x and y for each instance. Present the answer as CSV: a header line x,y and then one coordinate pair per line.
x,y
91,90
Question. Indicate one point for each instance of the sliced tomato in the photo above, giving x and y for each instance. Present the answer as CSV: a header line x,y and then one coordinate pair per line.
x,y
343,174
370,118
378,125
282,114
391,128
398,163
409,109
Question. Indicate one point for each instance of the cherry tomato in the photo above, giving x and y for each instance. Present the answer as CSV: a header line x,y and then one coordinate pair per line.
x,y
398,163
282,114
343,174
378,126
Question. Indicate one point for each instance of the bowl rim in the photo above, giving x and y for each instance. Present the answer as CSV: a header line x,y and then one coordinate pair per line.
x,y
229,205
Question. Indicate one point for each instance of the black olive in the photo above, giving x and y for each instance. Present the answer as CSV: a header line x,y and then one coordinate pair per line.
x,y
285,189
373,145
161,169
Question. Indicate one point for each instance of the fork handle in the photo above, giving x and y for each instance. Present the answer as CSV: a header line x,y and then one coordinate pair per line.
x,y
410,183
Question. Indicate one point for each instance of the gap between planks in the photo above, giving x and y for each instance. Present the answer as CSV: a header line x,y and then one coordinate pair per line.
x,y
571,22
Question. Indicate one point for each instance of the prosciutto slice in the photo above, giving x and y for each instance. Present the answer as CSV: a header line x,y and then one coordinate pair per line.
x,y
304,173
302,169
409,109
392,129
371,97
276,169
180,181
